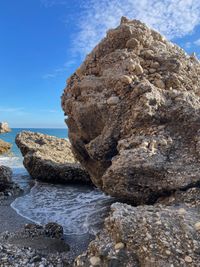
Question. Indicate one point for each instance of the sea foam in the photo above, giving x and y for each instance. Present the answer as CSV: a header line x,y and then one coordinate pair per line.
x,y
79,209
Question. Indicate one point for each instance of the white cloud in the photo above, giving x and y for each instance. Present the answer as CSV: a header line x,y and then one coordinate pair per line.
x,y
58,71
173,18
188,45
197,42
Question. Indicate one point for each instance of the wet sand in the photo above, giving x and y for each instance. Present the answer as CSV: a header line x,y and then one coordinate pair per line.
x,y
12,222
9,219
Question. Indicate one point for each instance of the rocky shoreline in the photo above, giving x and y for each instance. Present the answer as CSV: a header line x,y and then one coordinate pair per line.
x,y
133,112
18,247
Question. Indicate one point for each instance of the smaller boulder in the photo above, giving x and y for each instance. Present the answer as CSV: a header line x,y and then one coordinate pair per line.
x,y
51,229
54,230
7,186
4,146
5,174
50,159
4,127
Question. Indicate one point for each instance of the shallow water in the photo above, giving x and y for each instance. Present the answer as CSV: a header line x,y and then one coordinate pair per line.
x,y
79,209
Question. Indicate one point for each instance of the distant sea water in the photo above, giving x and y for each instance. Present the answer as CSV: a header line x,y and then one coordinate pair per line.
x,y
80,209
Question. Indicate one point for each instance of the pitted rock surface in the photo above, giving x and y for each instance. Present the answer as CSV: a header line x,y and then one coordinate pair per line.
x,y
166,234
134,114
50,159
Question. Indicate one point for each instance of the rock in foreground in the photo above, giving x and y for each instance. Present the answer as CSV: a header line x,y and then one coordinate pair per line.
x,y
7,186
34,246
133,112
4,128
50,159
4,146
149,236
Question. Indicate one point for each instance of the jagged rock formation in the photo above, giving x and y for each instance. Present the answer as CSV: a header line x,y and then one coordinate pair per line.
x,y
4,146
166,234
134,114
50,159
7,186
4,127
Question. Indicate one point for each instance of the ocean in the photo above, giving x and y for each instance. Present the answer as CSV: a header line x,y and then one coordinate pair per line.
x,y
80,209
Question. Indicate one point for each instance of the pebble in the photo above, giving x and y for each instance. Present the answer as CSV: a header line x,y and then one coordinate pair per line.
x,y
138,69
126,79
188,259
131,67
197,226
95,261
152,70
155,65
119,245
159,83
181,211
113,100
132,43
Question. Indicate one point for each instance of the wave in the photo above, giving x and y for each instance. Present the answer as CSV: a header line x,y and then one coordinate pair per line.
x,y
11,161
79,209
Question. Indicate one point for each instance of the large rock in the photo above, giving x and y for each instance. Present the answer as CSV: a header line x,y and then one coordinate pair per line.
x,y
133,112
4,128
165,234
4,146
50,159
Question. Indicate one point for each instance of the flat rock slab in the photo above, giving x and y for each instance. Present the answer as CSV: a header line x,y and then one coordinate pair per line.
x,y
50,159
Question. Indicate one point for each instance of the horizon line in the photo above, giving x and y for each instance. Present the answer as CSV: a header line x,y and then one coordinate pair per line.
x,y
38,128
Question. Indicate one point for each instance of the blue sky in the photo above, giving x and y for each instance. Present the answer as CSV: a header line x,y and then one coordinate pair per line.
x,y
43,41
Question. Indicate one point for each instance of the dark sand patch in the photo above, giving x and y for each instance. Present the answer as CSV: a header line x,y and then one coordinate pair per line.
x,y
12,222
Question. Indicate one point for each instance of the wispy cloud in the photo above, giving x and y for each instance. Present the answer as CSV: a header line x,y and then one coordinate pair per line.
x,y
50,3
17,111
49,110
11,109
197,42
191,44
58,71
173,18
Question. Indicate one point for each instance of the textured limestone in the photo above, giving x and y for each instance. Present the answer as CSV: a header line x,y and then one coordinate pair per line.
x,y
50,159
133,112
4,128
149,236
